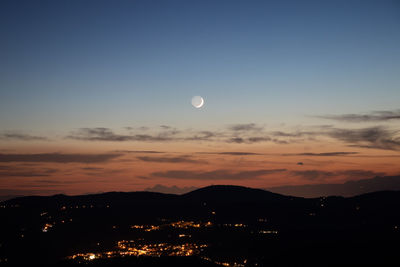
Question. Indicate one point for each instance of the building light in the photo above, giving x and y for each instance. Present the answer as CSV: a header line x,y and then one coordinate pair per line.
x,y
46,227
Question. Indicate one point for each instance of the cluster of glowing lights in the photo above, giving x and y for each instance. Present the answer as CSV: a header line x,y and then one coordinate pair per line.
x,y
89,206
228,264
178,224
238,225
133,248
46,227
159,249
268,232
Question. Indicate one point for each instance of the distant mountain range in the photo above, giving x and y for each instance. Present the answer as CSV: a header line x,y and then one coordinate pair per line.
x,y
350,188
347,189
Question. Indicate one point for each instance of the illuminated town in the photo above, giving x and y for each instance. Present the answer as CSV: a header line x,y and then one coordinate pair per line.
x,y
133,248
143,248
96,230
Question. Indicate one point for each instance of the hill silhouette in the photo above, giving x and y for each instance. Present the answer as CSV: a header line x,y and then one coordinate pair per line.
x,y
236,224
347,189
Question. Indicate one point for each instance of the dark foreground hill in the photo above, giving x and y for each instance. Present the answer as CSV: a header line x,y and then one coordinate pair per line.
x,y
216,225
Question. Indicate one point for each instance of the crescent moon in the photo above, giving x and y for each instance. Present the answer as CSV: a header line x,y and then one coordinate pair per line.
x,y
201,104
197,101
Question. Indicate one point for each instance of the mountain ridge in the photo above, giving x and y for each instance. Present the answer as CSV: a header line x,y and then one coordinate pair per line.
x,y
212,192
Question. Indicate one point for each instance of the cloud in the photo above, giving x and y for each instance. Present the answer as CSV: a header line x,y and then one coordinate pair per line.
x,y
248,140
214,175
106,134
102,172
140,151
58,158
166,127
202,136
18,171
313,174
245,127
181,159
322,175
326,154
231,153
141,128
377,137
372,137
92,169
292,134
22,174
57,182
21,137
376,116
240,133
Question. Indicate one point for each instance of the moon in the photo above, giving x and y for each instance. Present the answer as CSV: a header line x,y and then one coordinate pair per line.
x,y
197,101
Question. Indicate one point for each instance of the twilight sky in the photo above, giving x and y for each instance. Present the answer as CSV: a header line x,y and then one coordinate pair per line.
x,y
95,95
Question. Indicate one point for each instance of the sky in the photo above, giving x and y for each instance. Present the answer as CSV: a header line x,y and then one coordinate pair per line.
x,y
95,96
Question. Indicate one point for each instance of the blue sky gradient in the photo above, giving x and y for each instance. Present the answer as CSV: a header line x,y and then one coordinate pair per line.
x,y
69,64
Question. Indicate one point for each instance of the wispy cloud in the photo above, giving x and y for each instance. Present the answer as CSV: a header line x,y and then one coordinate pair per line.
x,y
21,137
18,171
59,158
106,134
92,169
249,140
202,136
377,137
234,153
372,137
140,151
376,116
313,174
180,159
323,175
326,154
215,175
245,127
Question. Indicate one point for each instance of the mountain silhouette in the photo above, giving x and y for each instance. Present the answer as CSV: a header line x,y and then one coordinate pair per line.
x,y
347,189
237,224
231,193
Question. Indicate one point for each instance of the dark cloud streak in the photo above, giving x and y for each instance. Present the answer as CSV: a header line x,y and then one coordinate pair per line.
x,y
181,159
376,116
58,158
215,175
372,137
326,154
245,127
21,137
313,175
